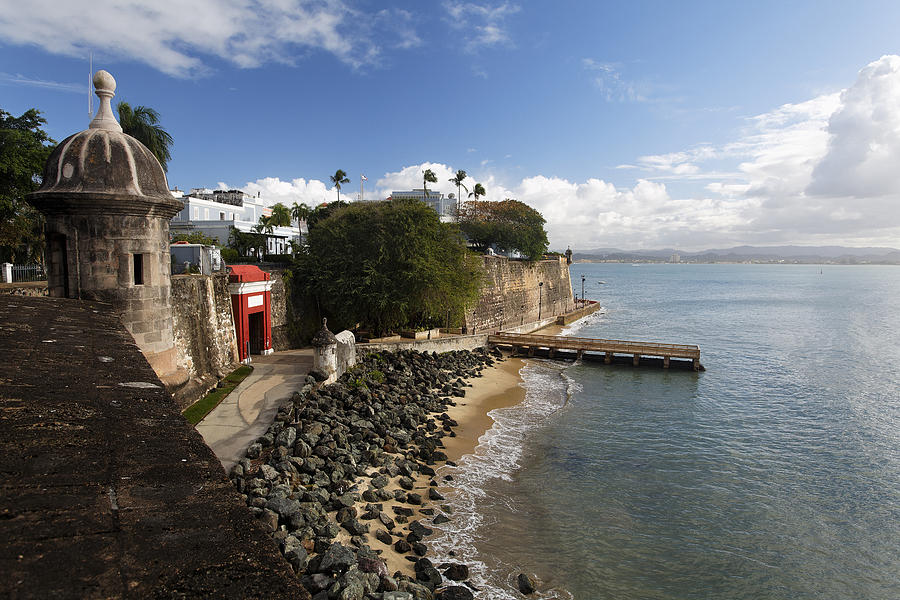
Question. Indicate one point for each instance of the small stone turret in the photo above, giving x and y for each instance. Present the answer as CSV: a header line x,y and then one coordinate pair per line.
x,y
324,345
107,207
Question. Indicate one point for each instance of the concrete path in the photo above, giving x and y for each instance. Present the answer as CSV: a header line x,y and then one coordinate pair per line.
x,y
249,409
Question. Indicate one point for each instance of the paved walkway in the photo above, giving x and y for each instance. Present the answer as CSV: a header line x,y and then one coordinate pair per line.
x,y
250,408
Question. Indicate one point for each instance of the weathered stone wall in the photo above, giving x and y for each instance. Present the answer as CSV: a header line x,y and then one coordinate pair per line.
x,y
443,344
204,332
346,351
511,294
281,337
25,288
107,491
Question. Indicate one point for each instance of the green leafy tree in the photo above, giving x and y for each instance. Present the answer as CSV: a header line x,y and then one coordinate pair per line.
x,y
24,149
142,123
510,225
323,211
281,215
477,191
387,265
428,177
338,179
458,182
300,212
247,244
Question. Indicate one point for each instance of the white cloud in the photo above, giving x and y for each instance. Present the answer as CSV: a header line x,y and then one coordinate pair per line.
x,y
817,171
607,77
272,190
483,25
864,137
18,79
812,172
179,39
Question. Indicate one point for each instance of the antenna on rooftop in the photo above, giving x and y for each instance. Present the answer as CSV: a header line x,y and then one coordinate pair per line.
x,y
90,86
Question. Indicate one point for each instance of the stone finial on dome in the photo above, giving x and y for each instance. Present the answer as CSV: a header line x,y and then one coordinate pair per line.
x,y
105,88
324,337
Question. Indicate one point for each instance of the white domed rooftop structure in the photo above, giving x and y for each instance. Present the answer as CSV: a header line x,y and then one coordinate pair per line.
x,y
103,160
107,207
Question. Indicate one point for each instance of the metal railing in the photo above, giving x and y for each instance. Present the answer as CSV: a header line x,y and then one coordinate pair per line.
x,y
22,273
597,345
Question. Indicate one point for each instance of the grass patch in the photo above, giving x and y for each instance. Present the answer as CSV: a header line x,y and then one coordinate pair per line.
x,y
202,407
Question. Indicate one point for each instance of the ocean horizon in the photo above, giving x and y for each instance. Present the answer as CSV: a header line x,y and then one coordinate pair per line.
x,y
774,474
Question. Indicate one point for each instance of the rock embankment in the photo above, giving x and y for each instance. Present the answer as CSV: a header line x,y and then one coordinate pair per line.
x,y
344,476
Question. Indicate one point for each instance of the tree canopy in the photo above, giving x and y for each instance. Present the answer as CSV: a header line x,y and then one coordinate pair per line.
x,y
388,265
509,225
24,149
323,211
142,123
195,237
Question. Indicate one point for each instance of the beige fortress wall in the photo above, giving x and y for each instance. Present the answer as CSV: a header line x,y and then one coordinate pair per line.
x,y
204,332
281,339
511,295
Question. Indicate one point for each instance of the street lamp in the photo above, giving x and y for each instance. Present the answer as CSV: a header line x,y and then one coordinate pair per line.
x,y
540,298
582,290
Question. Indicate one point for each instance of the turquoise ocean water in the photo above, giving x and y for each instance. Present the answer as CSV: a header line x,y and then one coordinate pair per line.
x,y
774,474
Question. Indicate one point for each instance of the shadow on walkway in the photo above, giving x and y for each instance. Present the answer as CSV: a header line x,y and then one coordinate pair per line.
x,y
250,408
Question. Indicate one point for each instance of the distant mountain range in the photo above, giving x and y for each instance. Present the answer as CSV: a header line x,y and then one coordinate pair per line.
x,y
745,254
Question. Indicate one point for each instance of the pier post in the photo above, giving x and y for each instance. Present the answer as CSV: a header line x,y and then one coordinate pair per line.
x,y
696,364
530,350
665,362
608,358
637,359
551,352
578,354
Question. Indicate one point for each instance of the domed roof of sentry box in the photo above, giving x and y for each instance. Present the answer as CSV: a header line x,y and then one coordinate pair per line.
x,y
101,160
324,337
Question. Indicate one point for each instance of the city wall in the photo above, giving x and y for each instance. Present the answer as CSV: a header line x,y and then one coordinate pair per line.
x,y
204,332
511,294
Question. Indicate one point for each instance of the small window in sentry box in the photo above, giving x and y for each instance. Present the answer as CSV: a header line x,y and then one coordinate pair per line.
x,y
138,269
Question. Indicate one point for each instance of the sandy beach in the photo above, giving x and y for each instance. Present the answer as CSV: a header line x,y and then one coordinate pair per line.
x,y
499,386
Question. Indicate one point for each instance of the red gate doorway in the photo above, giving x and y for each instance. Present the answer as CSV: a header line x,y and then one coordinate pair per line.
x,y
251,303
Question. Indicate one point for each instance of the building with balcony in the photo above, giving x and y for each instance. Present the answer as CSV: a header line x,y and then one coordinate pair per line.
x,y
215,212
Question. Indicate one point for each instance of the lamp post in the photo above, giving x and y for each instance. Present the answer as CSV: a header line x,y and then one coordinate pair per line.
x,y
540,298
582,290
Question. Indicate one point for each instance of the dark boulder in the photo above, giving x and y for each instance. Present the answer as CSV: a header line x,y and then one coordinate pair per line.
x,y
457,572
525,583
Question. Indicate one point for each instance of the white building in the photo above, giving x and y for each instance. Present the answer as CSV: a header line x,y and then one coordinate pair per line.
x,y
444,206
215,212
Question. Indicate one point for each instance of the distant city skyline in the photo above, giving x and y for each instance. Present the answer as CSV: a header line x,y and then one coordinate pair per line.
x,y
640,125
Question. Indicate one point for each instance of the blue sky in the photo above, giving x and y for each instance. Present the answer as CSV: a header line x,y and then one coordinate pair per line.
x,y
631,124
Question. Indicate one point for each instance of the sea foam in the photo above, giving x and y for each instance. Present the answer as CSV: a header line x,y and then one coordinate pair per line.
x,y
497,456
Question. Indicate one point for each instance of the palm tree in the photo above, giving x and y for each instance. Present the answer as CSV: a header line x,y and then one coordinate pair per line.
x,y
428,176
458,182
338,179
300,212
265,225
281,215
142,123
478,190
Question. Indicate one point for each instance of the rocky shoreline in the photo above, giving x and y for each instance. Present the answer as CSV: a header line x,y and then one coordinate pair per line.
x,y
344,478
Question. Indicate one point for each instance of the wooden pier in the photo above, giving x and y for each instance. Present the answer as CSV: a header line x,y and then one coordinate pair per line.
x,y
582,347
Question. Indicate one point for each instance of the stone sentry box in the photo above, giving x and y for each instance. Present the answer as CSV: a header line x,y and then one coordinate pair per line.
x,y
107,206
